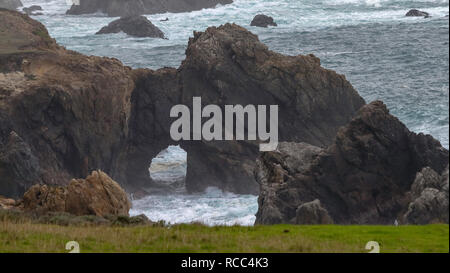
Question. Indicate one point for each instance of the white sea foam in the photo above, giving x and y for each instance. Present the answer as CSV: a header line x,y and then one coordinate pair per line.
x,y
213,207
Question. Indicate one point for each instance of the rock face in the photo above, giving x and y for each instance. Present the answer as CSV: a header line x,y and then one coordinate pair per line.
x,y
417,13
62,114
262,20
10,4
138,26
364,177
430,194
96,195
120,8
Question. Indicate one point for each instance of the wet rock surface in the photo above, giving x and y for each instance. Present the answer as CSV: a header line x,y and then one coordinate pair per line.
x,y
262,20
137,26
417,13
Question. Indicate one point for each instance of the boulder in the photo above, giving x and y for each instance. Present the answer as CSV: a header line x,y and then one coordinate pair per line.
x,y
262,20
312,213
364,177
10,4
430,198
31,9
120,8
96,195
138,26
417,13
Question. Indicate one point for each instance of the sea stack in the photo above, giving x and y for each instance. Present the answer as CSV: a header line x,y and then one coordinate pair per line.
x,y
137,26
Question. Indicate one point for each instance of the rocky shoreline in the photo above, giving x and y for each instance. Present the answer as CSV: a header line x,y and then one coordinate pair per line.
x,y
64,115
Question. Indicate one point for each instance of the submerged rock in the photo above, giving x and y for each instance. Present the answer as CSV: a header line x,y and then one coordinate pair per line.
x,y
417,13
262,20
138,26
31,10
120,8
96,195
10,4
364,177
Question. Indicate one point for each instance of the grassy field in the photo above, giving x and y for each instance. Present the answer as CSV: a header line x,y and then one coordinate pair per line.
x,y
32,237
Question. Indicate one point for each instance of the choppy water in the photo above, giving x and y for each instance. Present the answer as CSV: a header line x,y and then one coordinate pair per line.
x,y
401,60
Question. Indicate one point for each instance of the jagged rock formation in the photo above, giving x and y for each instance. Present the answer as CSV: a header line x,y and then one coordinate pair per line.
x,y
96,195
10,4
63,114
417,13
228,66
138,26
430,198
262,20
120,8
362,178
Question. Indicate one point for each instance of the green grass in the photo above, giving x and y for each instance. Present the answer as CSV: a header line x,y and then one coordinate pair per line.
x,y
32,237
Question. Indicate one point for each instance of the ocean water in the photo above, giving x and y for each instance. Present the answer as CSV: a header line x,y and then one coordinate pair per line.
x,y
403,61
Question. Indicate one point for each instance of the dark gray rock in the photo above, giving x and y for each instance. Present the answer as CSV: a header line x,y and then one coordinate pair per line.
x,y
115,8
138,26
363,178
262,20
10,4
31,10
417,13
430,198
19,167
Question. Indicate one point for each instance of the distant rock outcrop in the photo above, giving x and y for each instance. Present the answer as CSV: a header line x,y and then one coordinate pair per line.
x,y
138,26
31,10
417,13
10,4
363,178
120,8
96,195
262,20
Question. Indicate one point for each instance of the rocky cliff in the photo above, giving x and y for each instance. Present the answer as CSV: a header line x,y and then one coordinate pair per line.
x,y
372,174
63,114
120,8
228,65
